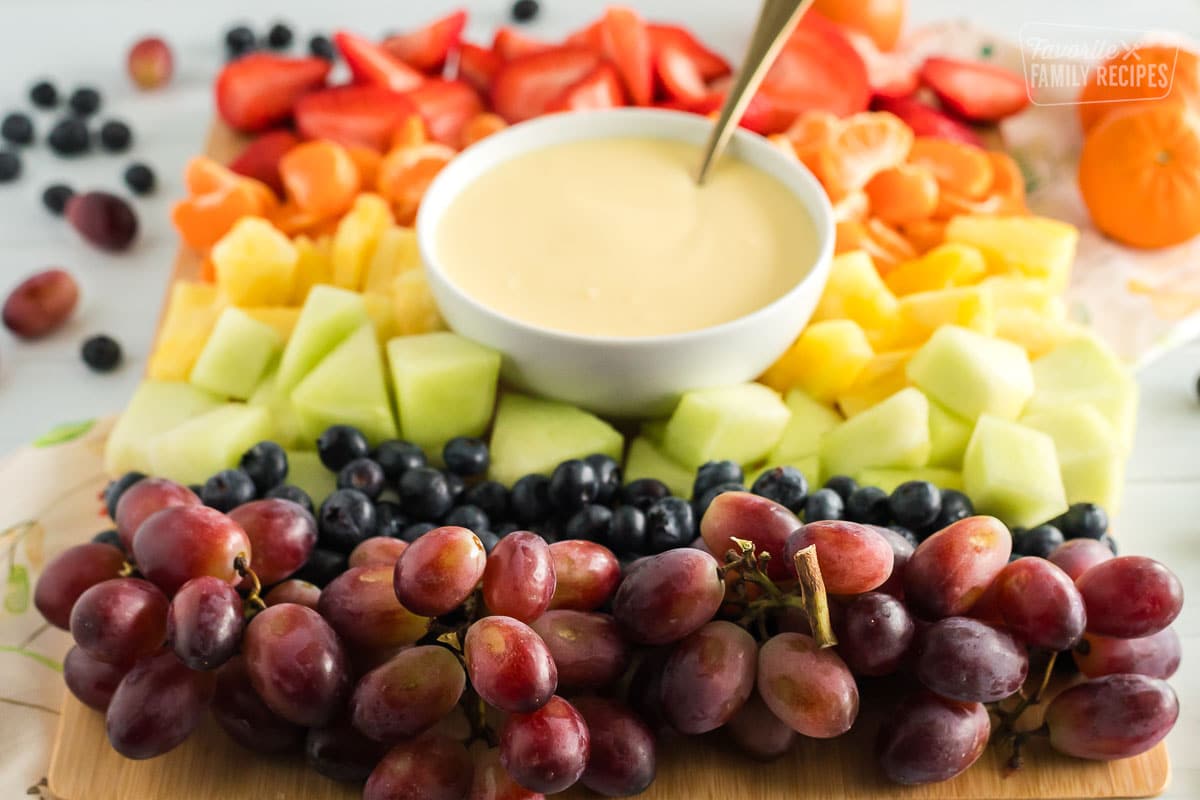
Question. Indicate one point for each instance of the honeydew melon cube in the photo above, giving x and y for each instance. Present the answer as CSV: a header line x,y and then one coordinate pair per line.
x,y
948,437
156,407
972,374
809,466
802,435
894,433
889,479
237,355
192,313
944,267
328,317
1036,247
395,253
355,239
314,265
279,405
306,471
1085,371
282,318
348,387
647,460
193,451
824,361
884,375
924,312
533,436
740,423
1088,453
1011,471
855,291
416,309
255,264
654,430
445,387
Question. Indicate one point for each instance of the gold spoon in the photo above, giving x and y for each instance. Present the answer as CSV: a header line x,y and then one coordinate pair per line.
x,y
776,22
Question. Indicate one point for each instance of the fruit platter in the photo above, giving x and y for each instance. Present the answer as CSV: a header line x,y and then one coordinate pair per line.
x,y
450,476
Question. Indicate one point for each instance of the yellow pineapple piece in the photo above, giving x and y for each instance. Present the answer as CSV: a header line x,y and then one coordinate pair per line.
x,y
924,312
281,318
1037,247
314,265
354,241
416,310
824,362
882,377
856,292
944,267
382,311
255,264
1015,291
1036,332
396,252
191,314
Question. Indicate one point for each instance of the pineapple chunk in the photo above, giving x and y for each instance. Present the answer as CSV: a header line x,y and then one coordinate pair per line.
x,y
1036,332
882,377
1014,291
255,264
382,312
356,237
416,310
1036,247
944,267
923,313
191,316
281,318
825,361
856,292
314,265
396,252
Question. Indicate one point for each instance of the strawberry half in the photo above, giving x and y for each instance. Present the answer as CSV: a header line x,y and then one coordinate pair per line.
x,y
427,49
710,64
590,37
260,159
975,91
446,107
625,41
817,70
926,120
679,75
760,117
888,74
478,66
370,64
601,89
526,87
362,115
259,91
510,44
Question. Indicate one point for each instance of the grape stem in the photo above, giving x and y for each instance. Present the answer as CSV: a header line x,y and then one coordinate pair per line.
x,y
127,569
254,602
816,599
1009,719
813,600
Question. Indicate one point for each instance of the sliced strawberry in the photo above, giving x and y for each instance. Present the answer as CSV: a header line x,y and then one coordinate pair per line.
x,y
427,49
760,116
478,66
526,86
888,74
710,64
259,91
625,41
446,107
601,89
817,70
926,120
510,44
372,65
260,159
590,37
363,115
975,91
679,75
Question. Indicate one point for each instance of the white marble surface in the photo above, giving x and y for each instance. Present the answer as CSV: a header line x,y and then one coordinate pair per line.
x,y
83,41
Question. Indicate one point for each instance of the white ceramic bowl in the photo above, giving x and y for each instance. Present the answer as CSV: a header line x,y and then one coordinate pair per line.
x,y
626,377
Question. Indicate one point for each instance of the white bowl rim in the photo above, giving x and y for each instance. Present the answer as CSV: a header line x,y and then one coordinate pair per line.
x,y
567,123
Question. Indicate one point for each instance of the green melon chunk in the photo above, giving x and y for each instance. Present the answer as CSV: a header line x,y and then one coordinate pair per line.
x,y
889,479
306,471
894,433
156,407
802,436
809,466
1011,472
655,430
647,460
349,387
1086,371
948,437
328,317
193,451
532,436
283,415
973,374
236,356
1089,454
740,423
445,387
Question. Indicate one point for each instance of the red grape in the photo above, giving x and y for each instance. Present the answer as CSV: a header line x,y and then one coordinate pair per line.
x,y
296,664
120,620
546,750
519,579
492,782
302,593
930,739
510,666
341,753
144,498
1079,555
376,551
756,519
708,677
970,661
1156,656
951,569
71,573
587,648
1039,604
282,535
438,571
758,732
244,716
41,303
875,632
645,690
902,550
622,762
149,63
361,606
1116,716
1130,597
157,705
105,220
205,623
666,597
92,681
808,688
587,574
433,767
183,542
853,558
408,694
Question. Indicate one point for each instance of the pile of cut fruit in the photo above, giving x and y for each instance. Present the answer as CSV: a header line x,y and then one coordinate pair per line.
x,y
499,596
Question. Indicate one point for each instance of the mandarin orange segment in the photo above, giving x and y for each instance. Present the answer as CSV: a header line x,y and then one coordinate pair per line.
x,y
925,234
854,206
204,219
367,160
961,168
952,204
864,145
412,132
405,175
481,126
203,175
904,193
320,177
888,247
293,220
811,133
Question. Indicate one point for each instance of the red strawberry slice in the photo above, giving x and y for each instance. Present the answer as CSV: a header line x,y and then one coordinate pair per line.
x,y
679,74
260,159
625,41
446,106
526,87
817,70
509,44
259,91
888,74
427,49
760,117
478,66
591,37
362,115
372,65
926,120
710,64
601,89
975,91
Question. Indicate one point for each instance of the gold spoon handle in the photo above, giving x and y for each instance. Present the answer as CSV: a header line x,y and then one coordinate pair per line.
x,y
776,22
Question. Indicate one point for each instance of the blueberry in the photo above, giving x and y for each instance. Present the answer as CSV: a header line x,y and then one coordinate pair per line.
x,y
323,566
267,465
1083,521
416,531
908,535
84,101
390,520
1040,541
531,499
240,40
784,485
110,536
288,491
425,494
321,47
627,531
455,484
17,128
140,179
591,522
489,540
714,473
279,37
466,456
490,497
101,353
823,504
346,518
915,504
608,477
43,94
644,492
341,444
55,198
525,10
114,490
115,136
868,505
362,474
670,523
470,517
10,166
844,485
573,485
69,137
397,457
505,528
227,490
196,488
550,529
955,506
701,504
1110,542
